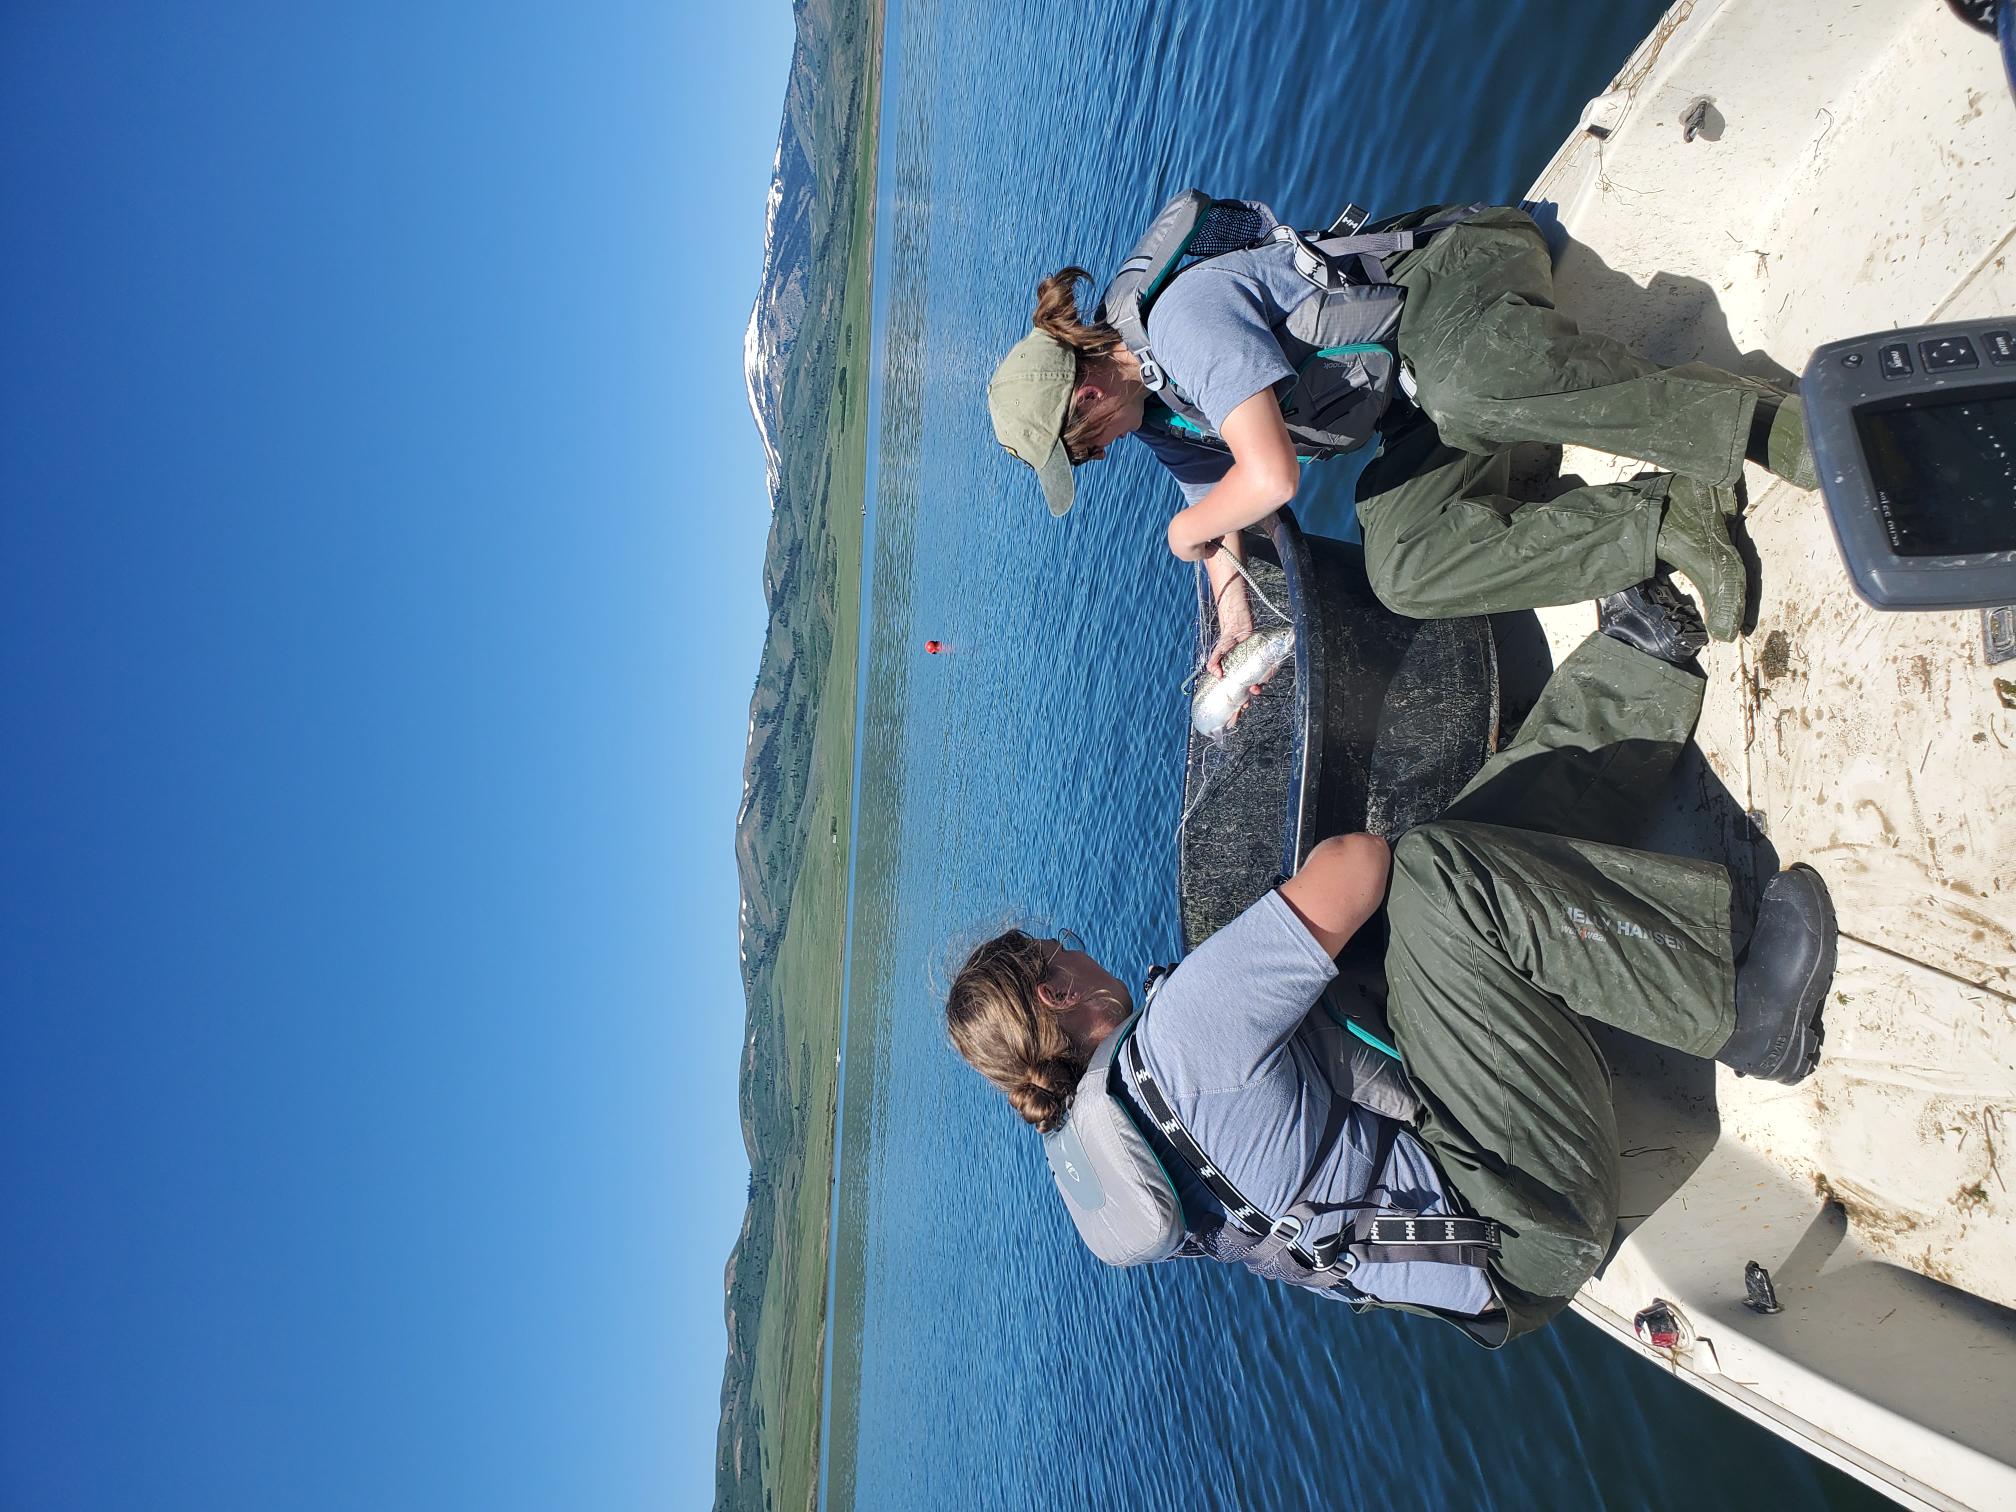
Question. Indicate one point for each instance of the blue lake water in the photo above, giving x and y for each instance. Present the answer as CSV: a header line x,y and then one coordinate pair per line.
x,y
979,1357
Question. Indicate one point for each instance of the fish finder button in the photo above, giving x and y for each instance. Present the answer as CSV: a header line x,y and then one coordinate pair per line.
x,y
1943,353
2001,346
1895,360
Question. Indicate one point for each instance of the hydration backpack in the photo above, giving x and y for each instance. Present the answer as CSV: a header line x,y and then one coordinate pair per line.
x,y
1340,340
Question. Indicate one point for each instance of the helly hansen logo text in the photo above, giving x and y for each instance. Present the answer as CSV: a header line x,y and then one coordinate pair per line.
x,y
1586,924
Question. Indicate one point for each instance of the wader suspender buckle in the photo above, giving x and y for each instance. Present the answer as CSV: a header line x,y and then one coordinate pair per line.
x,y
1369,1235
1325,1251
1317,1254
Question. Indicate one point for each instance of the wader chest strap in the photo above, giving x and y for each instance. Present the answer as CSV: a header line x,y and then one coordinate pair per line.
x,y
1243,1214
1449,1239
1369,1235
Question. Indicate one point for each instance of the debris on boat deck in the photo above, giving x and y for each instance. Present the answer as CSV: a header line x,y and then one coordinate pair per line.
x,y
1879,747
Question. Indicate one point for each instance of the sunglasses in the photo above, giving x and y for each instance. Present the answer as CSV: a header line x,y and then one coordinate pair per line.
x,y
1065,939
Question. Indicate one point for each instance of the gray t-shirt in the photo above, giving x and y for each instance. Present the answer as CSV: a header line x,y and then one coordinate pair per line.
x,y
1219,1039
1213,332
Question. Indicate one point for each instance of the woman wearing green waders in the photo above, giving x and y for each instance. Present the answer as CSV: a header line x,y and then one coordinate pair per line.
x,y
1489,363
1482,1187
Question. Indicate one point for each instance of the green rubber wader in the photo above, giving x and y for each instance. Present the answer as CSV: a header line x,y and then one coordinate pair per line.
x,y
1496,364
1512,921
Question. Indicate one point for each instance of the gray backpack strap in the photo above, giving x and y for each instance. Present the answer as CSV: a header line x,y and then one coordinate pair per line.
x,y
1340,262
1192,226
1334,262
1124,302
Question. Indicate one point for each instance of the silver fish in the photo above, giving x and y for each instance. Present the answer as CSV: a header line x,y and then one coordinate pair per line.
x,y
1218,700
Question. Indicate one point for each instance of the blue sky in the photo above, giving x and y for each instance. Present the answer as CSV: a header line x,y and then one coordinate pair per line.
x,y
380,530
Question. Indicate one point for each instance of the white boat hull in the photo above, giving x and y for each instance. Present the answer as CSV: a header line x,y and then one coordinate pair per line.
x,y
1855,171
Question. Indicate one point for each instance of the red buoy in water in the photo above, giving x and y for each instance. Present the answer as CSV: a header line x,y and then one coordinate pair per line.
x,y
934,647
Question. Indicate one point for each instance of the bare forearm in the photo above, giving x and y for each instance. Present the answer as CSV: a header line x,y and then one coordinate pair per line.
x,y
1222,574
1263,476
1236,501
1231,613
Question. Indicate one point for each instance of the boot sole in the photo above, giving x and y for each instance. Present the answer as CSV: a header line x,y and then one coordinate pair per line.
x,y
1801,1053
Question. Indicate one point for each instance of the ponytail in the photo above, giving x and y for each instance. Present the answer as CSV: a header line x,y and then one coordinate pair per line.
x,y
1057,317
1006,1033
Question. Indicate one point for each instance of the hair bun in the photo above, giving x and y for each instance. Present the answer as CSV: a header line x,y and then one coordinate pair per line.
x,y
1039,1106
1045,1096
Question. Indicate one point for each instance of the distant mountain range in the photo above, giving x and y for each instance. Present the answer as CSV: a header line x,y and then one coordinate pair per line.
x,y
789,356
790,384
787,268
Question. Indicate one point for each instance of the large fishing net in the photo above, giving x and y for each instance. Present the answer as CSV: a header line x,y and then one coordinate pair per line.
x,y
1235,784
1406,713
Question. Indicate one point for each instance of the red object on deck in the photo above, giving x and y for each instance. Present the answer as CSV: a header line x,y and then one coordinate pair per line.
x,y
934,647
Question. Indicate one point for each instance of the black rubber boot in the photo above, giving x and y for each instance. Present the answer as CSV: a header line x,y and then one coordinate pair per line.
x,y
1657,618
1782,980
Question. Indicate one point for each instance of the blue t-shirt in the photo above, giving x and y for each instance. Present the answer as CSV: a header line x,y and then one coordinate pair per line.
x,y
1220,1040
1214,329
1213,332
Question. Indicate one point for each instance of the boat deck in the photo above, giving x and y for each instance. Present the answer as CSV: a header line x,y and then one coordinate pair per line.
x,y
1855,171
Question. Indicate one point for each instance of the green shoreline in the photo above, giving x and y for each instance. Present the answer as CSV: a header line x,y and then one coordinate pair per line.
x,y
808,980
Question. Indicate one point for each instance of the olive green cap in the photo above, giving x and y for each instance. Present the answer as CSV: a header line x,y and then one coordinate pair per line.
x,y
1028,397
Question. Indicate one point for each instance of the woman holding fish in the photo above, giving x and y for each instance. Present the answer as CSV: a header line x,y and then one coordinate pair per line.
x,y
1211,362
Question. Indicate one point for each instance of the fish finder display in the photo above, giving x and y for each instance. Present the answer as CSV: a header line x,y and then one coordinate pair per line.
x,y
1944,473
1913,432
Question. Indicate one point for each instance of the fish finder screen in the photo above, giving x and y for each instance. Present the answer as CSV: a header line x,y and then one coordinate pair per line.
x,y
1945,473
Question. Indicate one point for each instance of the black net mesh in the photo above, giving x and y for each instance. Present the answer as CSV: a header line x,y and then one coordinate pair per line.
x,y
1235,789
1408,715
1227,226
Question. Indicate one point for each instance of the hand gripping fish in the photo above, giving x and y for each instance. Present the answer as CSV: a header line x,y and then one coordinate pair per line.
x,y
1218,700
